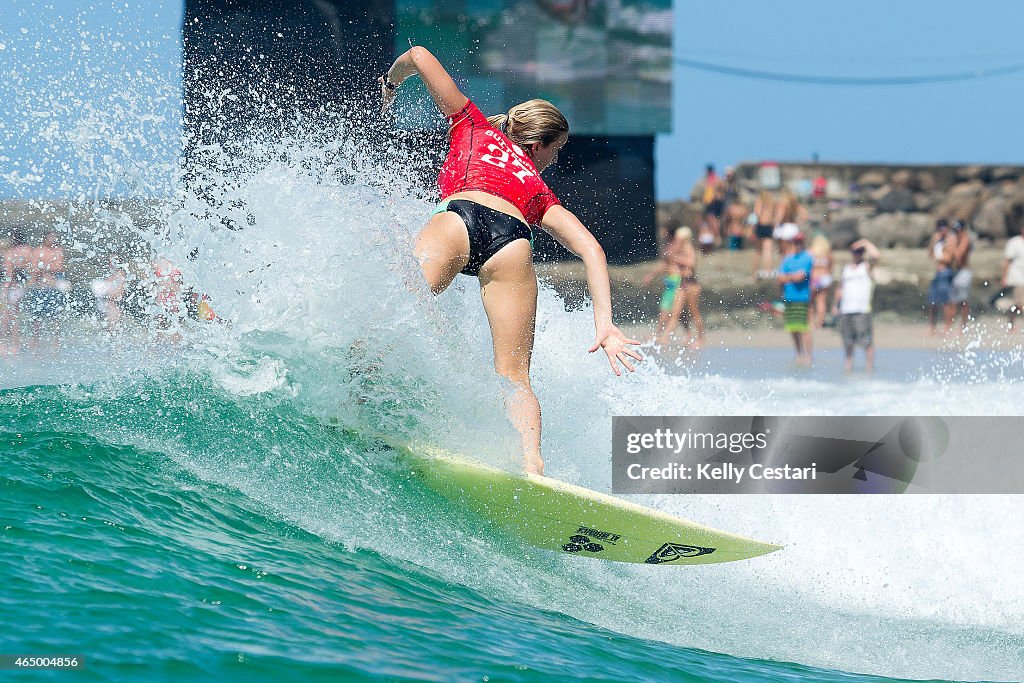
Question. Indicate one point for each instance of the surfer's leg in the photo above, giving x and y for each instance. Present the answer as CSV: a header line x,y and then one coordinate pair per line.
x,y
508,287
442,249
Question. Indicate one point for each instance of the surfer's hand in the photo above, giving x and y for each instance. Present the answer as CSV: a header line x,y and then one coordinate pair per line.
x,y
387,95
615,344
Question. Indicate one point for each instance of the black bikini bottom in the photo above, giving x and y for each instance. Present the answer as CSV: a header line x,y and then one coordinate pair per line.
x,y
489,231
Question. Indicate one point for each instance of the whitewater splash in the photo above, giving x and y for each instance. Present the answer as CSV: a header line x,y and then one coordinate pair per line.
x,y
304,245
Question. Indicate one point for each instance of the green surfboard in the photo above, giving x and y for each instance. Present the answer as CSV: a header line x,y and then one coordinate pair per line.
x,y
554,515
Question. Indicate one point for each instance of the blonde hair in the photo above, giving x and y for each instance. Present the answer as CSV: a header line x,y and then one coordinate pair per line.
x,y
532,122
791,204
684,233
821,247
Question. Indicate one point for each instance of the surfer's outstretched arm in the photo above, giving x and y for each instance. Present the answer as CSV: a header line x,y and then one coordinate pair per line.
x,y
563,225
418,60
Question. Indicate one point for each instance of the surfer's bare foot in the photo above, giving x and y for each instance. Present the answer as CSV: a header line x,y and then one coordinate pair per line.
x,y
533,464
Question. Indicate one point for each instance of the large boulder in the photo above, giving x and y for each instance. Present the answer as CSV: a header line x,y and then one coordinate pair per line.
x,y
1016,215
993,218
843,225
902,178
974,172
962,201
1008,188
926,201
697,193
959,209
897,200
898,229
837,189
843,230
672,215
969,188
925,181
877,194
1000,173
871,179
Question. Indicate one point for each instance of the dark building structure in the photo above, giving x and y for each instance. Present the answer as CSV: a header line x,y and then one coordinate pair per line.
x,y
256,63
608,182
279,57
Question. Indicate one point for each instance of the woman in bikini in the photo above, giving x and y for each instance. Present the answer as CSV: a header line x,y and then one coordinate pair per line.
x,y
789,216
682,291
671,279
492,193
764,210
821,278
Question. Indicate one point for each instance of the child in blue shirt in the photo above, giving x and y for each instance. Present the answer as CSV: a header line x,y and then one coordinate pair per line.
x,y
795,278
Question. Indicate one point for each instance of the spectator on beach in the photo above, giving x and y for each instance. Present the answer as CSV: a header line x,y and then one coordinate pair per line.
x,y
713,198
795,278
670,280
960,286
730,187
682,291
820,186
1013,274
46,298
17,261
109,292
764,210
821,278
706,236
736,224
789,216
853,303
940,251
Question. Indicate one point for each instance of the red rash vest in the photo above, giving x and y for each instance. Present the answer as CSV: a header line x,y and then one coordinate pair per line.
x,y
481,158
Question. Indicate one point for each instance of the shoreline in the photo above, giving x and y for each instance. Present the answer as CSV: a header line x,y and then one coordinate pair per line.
x,y
988,332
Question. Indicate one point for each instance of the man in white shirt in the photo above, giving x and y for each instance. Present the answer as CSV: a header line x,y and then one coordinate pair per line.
x,y
1013,273
853,303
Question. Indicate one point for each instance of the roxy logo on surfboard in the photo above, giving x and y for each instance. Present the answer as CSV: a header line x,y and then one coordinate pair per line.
x,y
676,551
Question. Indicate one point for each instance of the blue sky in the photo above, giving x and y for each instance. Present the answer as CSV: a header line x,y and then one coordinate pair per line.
x,y
716,118
90,94
725,119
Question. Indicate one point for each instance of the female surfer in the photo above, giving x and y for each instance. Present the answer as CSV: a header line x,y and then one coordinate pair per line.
x,y
492,193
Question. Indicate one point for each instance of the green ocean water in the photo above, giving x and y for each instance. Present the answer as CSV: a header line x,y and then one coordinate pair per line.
x,y
167,530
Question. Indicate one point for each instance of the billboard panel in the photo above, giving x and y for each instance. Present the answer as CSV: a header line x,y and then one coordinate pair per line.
x,y
607,64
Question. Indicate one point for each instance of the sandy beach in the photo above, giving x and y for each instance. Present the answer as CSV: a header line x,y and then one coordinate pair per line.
x,y
989,332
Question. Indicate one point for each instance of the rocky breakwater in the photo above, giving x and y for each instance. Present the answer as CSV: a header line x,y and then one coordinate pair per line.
x,y
894,206
900,208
